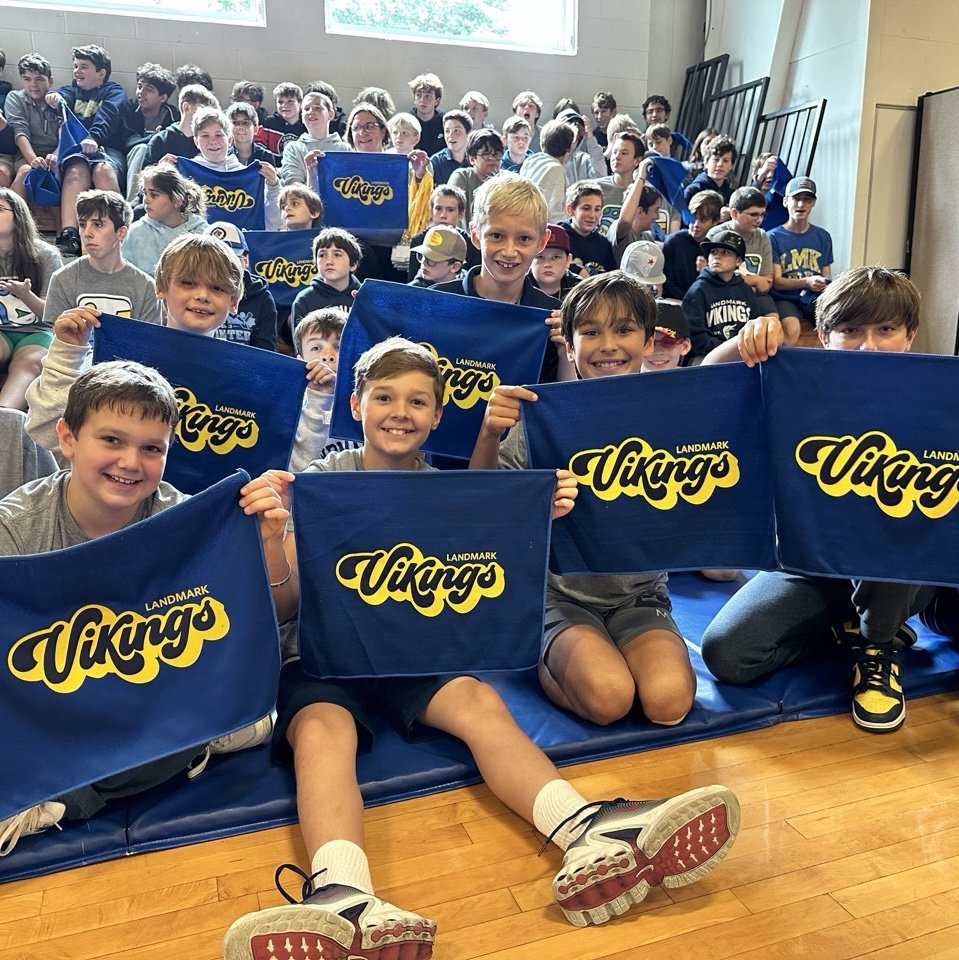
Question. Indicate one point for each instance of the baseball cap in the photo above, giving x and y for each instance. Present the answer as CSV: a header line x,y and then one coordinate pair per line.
x,y
644,261
728,240
558,237
229,233
569,114
671,320
800,185
442,243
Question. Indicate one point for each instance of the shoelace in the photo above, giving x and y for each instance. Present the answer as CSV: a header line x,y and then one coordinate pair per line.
x,y
876,666
306,879
22,823
594,807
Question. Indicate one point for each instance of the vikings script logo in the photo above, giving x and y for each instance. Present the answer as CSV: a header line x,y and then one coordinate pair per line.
x,y
404,573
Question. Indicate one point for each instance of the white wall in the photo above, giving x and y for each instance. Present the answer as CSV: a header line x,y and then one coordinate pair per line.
x,y
623,47
913,49
810,49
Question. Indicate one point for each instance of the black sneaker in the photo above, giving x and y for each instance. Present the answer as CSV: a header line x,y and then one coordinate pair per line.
x,y
68,242
877,702
848,635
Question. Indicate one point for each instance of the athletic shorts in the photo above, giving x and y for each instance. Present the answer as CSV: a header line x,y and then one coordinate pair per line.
x,y
795,308
16,340
648,611
402,699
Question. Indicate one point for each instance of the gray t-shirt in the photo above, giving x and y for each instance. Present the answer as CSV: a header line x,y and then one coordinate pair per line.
x,y
759,249
603,590
50,262
36,519
339,460
352,460
128,293
22,460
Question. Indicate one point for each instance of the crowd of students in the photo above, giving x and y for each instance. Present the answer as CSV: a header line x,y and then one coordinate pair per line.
x,y
625,291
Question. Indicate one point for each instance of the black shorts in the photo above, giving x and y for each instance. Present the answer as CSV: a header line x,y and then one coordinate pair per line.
x,y
401,699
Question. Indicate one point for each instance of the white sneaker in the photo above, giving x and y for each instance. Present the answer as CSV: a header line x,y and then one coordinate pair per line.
x,y
628,846
331,921
243,739
33,820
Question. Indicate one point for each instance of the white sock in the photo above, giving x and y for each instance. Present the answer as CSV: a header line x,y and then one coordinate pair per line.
x,y
555,803
344,862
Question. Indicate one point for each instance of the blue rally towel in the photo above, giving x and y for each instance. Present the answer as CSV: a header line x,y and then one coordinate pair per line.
x,y
237,197
667,176
284,259
72,133
403,573
866,472
134,646
239,406
479,344
776,213
365,193
42,185
672,468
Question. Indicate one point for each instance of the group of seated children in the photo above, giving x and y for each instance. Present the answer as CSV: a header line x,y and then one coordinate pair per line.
x,y
609,641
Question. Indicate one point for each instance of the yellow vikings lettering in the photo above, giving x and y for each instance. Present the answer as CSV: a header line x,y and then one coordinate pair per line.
x,y
219,196
220,430
634,469
404,573
871,466
294,273
466,382
356,188
96,642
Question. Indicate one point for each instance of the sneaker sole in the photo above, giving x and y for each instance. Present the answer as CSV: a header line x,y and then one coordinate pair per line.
x,y
302,932
688,838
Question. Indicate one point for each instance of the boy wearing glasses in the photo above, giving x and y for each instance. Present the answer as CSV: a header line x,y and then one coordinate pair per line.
x,y
484,151
441,256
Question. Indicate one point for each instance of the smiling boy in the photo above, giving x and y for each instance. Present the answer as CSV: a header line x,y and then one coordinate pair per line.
x,y
116,432
509,228
97,101
608,639
199,281
592,252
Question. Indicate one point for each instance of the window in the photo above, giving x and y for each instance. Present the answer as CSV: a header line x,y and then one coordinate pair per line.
x,y
548,26
239,12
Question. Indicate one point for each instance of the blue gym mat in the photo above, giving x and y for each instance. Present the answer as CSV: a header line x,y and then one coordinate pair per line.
x,y
243,792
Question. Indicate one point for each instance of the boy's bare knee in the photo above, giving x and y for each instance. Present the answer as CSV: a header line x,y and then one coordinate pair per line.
x,y
321,727
667,708
605,699
479,698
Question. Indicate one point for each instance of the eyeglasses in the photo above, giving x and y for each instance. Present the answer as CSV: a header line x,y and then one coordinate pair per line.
x,y
242,123
488,155
423,258
366,127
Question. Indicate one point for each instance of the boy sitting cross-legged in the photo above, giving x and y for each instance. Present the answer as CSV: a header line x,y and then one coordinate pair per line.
x,y
116,431
398,399
779,618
